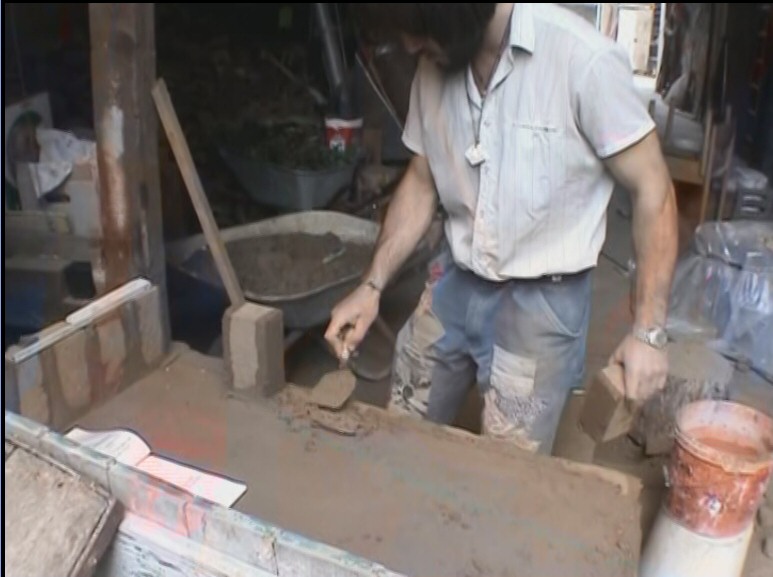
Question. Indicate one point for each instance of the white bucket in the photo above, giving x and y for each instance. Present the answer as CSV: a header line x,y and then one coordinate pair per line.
x,y
673,551
719,470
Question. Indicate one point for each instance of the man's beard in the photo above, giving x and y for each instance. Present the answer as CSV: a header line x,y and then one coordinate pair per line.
x,y
461,54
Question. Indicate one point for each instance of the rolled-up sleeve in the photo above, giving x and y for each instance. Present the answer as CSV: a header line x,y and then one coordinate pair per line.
x,y
610,112
413,135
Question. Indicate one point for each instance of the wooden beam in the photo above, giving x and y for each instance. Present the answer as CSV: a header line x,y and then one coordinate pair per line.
x,y
182,153
123,71
142,548
123,66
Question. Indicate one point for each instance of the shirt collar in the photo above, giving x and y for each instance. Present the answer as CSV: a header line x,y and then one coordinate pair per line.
x,y
522,27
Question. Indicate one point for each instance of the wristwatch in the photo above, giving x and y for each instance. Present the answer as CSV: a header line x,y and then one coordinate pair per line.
x,y
656,337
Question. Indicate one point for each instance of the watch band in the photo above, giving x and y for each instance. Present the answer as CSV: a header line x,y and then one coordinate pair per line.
x,y
373,285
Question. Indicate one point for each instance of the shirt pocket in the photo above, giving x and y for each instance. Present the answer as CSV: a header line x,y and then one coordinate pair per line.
x,y
532,162
530,169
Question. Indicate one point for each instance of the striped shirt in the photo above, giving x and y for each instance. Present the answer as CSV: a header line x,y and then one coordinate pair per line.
x,y
562,99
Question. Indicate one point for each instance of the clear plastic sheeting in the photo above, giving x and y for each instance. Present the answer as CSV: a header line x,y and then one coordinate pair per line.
x,y
743,178
724,290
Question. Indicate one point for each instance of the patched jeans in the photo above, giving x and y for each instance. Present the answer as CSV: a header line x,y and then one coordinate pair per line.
x,y
522,341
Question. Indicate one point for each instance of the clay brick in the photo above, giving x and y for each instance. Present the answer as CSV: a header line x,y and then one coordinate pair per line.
x,y
11,383
765,517
253,343
27,379
151,330
606,414
767,545
112,346
73,370
29,374
34,404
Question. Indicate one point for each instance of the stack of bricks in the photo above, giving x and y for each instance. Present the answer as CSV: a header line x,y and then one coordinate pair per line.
x,y
87,365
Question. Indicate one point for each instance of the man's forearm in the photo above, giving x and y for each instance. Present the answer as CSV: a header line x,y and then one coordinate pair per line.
x,y
408,219
655,240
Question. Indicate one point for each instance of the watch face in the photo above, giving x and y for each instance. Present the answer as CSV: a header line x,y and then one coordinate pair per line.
x,y
659,338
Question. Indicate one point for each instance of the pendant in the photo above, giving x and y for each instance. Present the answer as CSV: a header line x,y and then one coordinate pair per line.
x,y
475,155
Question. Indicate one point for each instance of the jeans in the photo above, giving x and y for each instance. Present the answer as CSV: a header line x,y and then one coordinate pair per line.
x,y
522,341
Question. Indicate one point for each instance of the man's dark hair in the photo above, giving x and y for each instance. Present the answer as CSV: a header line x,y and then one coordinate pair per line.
x,y
457,28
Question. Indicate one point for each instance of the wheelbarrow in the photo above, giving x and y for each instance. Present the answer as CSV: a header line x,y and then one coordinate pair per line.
x,y
303,311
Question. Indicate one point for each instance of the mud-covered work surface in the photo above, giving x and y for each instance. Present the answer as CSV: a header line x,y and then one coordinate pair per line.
x,y
415,497
295,263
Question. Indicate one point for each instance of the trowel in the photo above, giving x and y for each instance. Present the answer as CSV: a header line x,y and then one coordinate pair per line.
x,y
334,389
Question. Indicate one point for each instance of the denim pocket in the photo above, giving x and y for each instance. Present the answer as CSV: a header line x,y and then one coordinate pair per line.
x,y
566,303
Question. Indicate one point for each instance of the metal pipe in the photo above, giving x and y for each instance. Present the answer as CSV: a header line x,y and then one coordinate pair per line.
x,y
333,58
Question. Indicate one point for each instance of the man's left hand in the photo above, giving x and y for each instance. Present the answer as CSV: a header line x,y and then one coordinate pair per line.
x,y
645,368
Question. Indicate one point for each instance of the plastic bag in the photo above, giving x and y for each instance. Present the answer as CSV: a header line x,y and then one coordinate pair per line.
x,y
724,289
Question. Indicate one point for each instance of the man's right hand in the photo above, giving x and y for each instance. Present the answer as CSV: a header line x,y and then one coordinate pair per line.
x,y
408,219
351,319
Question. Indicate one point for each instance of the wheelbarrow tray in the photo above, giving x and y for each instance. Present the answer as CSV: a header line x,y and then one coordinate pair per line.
x,y
302,310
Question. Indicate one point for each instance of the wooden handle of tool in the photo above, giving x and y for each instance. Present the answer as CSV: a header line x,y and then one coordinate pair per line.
x,y
190,175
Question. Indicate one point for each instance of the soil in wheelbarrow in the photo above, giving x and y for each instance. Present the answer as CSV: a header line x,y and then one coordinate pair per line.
x,y
295,263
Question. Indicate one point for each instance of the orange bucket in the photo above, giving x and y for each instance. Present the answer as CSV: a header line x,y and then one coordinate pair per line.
x,y
720,467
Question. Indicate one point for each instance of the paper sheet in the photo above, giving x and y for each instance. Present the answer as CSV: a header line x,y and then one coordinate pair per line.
x,y
205,485
124,446
128,448
59,152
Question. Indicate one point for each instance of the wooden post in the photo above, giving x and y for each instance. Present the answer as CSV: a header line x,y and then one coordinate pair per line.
x,y
123,66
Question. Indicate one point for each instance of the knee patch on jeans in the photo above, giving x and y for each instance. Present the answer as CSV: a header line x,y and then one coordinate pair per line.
x,y
510,405
412,365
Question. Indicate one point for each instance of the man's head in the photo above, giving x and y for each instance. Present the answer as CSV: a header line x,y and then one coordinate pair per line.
x,y
449,34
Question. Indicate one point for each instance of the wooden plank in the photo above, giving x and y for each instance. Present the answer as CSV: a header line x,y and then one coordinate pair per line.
x,y
298,556
56,523
212,541
142,548
684,169
182,153
22,223
80,319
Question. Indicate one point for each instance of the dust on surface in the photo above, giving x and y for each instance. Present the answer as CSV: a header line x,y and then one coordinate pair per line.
x,y
413,497
295,263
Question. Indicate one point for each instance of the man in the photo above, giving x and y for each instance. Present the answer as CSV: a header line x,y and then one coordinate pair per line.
x,y
521,118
